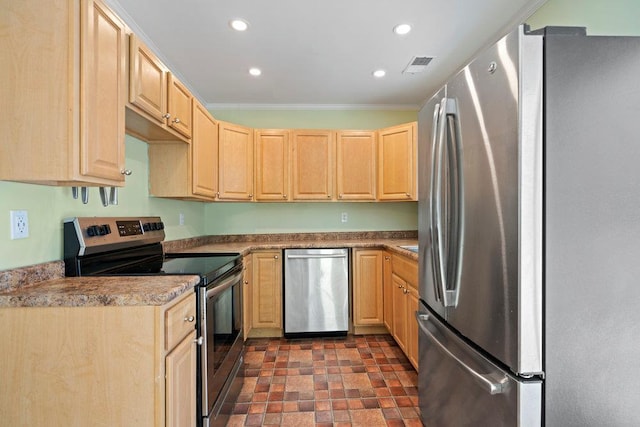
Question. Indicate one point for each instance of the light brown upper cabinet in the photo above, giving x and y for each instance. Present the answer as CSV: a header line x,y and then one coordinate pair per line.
x,y
356,153
63,68
235,151
179,101
272,164
397,162
313,164
205,152
159,107
147,81
187,171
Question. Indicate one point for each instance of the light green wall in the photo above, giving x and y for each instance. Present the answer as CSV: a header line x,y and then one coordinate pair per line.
x,y
48,206
250,218
241,218
601,17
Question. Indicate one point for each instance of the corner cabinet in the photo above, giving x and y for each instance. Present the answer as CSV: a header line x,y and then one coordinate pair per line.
x,y
103,365
187,171
235,161
397,178
63,91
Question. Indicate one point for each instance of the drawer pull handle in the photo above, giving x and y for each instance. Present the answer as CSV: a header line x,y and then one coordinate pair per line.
x,y
189,319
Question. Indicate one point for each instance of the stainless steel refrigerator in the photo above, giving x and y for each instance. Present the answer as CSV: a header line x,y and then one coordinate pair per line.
x,y
529,235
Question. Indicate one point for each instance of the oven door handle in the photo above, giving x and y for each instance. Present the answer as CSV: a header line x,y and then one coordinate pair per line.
x,y
225,284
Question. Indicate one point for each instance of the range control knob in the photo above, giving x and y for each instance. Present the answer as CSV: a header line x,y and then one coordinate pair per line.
x,y
104,229
160,225
92,230
146,226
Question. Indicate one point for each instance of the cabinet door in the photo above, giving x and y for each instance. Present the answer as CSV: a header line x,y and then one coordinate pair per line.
x,y
387,285
102,93
312,174
367,287
399,312
235,162
272,164
179,101
247,296
412,325
147,80
267,289
204,149
397,163
356,154
181,384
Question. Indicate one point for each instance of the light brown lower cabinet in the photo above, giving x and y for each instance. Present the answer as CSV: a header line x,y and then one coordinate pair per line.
x,y
247,296
107,365
367,287
402,285
267,293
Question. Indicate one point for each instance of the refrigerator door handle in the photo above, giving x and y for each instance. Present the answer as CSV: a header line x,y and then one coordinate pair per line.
x,y
432,208
436,200
494,383
456,184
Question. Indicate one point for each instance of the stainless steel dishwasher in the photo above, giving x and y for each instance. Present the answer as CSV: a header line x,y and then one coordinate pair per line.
x,y
316,292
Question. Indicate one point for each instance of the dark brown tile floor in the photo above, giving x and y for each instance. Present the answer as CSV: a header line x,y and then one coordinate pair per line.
x,y
349,381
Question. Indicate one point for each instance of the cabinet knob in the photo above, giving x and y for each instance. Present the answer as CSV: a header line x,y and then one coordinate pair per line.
x,y
189,319
284,196
126,172
387,258
246,282
405,291
166,116
250,196
407,194
275,256
176,120
199,340
340,196
328,196
400,286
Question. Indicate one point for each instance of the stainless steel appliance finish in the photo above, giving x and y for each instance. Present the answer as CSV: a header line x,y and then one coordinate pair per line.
x,y
316,291
528,231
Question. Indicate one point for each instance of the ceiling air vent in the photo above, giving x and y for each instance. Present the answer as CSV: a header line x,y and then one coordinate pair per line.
x,y
417,64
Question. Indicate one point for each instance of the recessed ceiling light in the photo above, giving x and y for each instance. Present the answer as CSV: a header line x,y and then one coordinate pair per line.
x,y
402,29
255,71
379,73
239,25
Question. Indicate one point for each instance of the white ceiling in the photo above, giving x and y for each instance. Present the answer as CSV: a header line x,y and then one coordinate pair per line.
x,y
317,53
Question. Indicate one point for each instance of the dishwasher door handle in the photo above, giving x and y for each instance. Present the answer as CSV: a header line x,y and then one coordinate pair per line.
x,y
314,256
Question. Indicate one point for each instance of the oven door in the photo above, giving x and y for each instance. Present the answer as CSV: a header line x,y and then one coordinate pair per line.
x,y
221,329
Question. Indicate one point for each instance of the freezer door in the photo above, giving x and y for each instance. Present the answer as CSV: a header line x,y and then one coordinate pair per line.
x,y
492,262
427,134
460,387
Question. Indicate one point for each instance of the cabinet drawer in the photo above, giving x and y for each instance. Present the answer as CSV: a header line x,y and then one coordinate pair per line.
x,y
179,320
405,268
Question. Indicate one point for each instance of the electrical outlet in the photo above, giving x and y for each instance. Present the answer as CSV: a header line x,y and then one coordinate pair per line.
x,y
19,225
180,218
344,217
